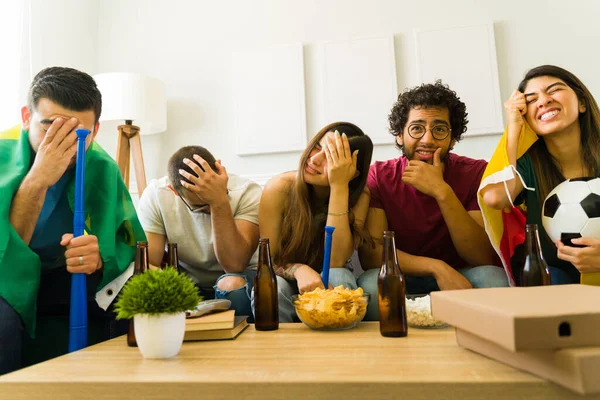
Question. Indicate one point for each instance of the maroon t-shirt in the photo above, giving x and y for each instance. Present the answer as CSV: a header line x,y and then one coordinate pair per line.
x,y
416,217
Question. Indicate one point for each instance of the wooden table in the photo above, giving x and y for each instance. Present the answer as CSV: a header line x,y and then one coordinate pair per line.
x,y
293,362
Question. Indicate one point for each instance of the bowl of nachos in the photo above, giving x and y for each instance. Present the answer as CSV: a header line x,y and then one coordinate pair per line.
x,y
331,309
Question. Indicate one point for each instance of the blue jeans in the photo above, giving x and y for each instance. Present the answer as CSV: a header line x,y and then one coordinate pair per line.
x,y
240,298
560,277
11,338
479,277
286,289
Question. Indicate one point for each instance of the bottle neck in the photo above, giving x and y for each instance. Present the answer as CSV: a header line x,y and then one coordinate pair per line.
x,y
173,256
532,241
264,254
389,261
141,260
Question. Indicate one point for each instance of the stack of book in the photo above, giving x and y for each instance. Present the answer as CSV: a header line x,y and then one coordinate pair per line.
x,y
550,331
216,326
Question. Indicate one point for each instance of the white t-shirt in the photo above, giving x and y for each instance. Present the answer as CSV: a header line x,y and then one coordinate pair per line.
x,y
162,212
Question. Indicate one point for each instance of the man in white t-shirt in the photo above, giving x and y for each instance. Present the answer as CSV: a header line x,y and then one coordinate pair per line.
x,y
213,218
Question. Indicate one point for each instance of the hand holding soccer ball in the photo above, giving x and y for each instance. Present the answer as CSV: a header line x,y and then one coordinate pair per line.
x,y
571,218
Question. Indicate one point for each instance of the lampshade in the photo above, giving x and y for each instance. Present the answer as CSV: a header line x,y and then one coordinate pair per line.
x,y
128,96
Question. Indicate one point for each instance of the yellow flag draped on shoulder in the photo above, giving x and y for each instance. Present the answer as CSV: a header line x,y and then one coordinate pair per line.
x,y
506,227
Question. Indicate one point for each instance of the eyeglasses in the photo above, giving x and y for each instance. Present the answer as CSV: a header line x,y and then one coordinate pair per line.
x,y
439,132
196,209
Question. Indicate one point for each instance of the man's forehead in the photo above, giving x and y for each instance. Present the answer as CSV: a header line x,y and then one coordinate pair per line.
x,y
46,106
47,110
429,113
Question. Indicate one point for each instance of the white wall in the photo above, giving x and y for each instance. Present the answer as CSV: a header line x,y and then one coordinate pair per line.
x,y
64,33
188,43
55,32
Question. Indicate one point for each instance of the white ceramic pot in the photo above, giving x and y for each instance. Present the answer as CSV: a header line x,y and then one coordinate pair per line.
x,y
159,335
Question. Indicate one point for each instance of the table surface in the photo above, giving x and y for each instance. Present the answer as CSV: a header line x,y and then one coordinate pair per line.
x,y
292,362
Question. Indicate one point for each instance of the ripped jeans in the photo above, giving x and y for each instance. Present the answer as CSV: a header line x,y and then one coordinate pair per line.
x,y
240,298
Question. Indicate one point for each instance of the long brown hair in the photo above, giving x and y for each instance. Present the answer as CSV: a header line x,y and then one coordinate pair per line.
x,y
547,169
304,217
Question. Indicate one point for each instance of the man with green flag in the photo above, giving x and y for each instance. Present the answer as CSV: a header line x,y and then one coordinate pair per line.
x,y
37,249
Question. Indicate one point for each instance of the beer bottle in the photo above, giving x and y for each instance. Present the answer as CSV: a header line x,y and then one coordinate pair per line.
x,y
141,265
391,288
173,256
266,304
535,270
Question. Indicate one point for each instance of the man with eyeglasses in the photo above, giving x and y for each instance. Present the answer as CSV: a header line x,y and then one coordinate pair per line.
x,y
213,218
428,196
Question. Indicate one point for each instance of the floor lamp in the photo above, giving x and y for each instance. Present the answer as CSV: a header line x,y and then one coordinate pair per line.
x,y
138,99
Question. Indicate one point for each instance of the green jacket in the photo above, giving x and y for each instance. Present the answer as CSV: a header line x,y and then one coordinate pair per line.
x,y
109,212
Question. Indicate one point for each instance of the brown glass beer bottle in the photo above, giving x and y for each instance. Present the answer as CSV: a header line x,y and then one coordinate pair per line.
x,y
141,265
173,256
391,288
266,304
535,270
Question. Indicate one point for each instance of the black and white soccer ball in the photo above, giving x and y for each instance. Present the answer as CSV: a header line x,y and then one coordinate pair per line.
x,y
572,210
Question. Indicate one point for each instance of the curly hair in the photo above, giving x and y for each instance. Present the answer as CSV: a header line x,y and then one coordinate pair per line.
x,y
429,95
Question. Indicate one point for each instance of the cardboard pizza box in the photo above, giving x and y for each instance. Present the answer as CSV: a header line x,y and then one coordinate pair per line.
x,y
524,318
577,369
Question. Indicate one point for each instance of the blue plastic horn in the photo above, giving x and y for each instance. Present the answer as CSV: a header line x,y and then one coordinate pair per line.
x,y
327,256
78,321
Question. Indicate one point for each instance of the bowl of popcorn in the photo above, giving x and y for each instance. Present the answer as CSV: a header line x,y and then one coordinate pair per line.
x,y
331,309
418,312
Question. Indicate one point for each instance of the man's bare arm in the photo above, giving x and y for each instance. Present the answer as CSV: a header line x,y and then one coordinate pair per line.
x,y
234,240
52,159
468,236
370,257
26,206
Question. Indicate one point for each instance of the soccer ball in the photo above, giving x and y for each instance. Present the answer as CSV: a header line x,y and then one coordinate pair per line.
x,y
572,210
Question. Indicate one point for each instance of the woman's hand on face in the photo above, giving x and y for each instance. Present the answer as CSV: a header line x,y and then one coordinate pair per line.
x,y
585,259
515,108
308,279
341,162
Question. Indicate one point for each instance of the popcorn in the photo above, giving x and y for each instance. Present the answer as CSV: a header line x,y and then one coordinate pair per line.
x,y
418,313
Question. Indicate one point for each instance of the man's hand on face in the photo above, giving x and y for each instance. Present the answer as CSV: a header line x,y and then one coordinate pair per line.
x,y
209,186
56,151
427,178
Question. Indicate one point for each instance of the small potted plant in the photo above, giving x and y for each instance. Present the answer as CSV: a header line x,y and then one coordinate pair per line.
x,y
157,301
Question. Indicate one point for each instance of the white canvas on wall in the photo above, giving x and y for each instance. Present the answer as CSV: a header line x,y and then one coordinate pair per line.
x,y
268,92
359,84
465,59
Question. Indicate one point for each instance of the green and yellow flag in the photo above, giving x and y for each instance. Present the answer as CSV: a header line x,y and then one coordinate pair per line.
x,y
109,214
